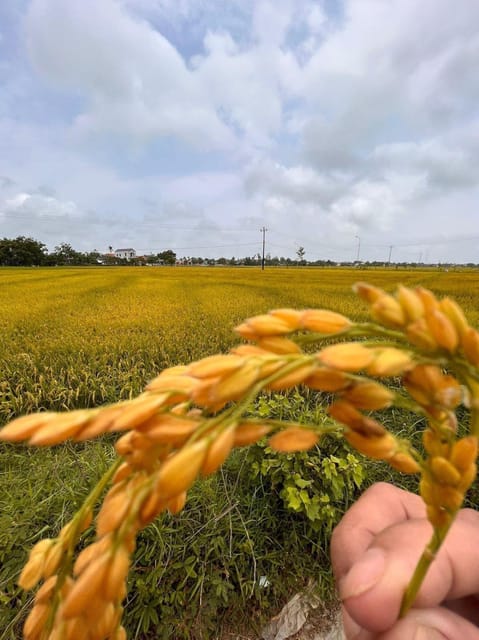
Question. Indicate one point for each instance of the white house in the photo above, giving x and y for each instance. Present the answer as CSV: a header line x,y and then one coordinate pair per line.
x,y
125,254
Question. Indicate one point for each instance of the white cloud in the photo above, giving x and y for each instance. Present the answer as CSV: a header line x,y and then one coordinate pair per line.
x,y
342,204
39,206
445,86
316,18
369,206
271,21
397,68
299,184
443,167
251,103
320,120
134,81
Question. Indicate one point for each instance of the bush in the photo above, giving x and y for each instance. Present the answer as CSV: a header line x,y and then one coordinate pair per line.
x,y
318,484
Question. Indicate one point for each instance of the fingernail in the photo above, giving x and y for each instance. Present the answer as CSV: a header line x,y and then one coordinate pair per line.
x,y
363,575
428,633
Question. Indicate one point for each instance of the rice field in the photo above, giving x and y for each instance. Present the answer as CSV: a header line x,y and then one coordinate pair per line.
x,y
79,337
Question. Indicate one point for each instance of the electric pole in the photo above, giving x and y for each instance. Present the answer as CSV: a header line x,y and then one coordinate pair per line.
x,y
263,231
390,251
359,248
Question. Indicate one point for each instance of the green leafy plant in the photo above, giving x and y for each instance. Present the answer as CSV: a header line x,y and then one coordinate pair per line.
x,y
319,483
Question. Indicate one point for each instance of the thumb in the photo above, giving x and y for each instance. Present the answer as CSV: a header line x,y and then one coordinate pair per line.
x,y
437,623
373,588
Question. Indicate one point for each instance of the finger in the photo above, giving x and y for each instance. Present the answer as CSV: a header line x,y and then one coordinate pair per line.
x,y
372,590
437,623
467,607
351,629
380,507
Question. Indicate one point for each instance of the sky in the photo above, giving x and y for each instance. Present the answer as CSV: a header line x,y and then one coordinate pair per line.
x,y
347,127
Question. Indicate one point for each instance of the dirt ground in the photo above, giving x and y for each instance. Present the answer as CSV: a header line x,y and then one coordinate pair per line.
x,y
322,624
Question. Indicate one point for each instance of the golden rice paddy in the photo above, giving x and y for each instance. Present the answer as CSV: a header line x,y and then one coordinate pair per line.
x,y
80,337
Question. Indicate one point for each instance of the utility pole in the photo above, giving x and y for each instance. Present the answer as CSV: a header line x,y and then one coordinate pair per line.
x,y
359,248
263,231
390,251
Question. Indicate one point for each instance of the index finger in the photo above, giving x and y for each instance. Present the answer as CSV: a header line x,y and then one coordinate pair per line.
x,y
380,507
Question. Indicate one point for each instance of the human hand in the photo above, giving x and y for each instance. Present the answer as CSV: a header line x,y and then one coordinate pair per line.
x,y
374,551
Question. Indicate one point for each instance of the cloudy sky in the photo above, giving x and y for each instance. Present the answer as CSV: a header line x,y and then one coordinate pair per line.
x,y
343,126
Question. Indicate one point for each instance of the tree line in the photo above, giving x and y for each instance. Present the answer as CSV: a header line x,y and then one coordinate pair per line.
x,y
27,252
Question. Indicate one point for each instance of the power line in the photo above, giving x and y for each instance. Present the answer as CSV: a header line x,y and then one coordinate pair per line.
x,y
412,243
420,243
442,241
315,247
216,246
243,229
143,223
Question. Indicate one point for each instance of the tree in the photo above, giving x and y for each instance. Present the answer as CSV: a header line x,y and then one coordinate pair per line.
x,y
300,253
22,252
65,254
168,256
93,257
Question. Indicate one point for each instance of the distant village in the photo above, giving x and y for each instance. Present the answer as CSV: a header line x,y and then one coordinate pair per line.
x,y
129,255
23,251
